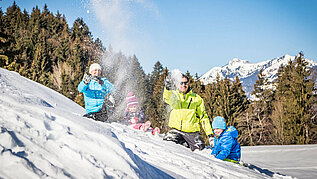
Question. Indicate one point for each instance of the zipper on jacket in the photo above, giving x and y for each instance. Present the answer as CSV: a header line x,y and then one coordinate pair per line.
x,y
181,124
189,103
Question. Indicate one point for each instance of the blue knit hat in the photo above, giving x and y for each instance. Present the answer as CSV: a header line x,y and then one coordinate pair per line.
x,y
219,123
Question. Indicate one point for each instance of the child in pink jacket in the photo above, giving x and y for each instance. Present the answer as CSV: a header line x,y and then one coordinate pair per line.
x,y
135,116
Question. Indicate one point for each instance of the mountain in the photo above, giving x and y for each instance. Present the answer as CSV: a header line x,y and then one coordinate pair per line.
x,y
43,135
247,72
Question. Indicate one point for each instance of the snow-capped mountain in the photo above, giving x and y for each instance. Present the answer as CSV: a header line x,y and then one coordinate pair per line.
x,y
247,72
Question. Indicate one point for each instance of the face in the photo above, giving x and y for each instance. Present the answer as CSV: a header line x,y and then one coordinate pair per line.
x,y
183,86
96,72
133,108
218,132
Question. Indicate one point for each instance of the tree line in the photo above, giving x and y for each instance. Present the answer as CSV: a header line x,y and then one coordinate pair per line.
x,y
42,47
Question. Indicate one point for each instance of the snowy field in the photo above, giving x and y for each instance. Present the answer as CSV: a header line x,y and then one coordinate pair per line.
x,y
44,136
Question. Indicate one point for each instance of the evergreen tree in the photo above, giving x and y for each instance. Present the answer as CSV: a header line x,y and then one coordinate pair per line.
x,y
137,81
230,100
157,71
255,124
295,95
161,113
41,47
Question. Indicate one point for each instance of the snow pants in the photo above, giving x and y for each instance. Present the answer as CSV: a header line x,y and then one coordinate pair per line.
x,y
192,140
103,114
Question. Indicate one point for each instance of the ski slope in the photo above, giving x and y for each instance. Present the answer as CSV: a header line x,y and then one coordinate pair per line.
x,y
43,135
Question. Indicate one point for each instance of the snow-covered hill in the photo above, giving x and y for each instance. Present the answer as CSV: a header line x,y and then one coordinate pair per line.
x,y
247,72
44,136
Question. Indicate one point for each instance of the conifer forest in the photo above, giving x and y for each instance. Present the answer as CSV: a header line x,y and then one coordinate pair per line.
x,y
41,46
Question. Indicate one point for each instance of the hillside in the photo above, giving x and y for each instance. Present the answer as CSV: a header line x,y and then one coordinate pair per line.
x,y
44,136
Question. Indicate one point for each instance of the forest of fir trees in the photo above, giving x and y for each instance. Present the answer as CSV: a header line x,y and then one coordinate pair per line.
x,y
42,47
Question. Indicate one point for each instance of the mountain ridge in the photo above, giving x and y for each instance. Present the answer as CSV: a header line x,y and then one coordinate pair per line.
x,y
247,72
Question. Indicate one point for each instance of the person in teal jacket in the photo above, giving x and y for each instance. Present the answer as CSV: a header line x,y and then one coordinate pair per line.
x,y
95,90
226,146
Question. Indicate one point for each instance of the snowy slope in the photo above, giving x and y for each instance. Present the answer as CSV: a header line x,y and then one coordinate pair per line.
x,y
247,72
44,136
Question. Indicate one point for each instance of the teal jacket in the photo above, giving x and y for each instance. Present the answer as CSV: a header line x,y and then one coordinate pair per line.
x,y
95,94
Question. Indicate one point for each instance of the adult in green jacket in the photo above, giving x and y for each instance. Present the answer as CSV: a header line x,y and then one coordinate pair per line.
x,y
187,115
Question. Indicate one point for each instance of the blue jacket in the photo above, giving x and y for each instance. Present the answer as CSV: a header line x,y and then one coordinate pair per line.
x,y
94,94
227,145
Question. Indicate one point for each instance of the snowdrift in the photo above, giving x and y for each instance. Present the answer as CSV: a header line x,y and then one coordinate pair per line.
x,y
43,135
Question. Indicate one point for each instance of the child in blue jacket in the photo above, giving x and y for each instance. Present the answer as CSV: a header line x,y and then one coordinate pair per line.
x,y
226,145
95,90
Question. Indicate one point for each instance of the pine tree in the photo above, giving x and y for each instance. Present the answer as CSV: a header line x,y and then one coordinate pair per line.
x,y
12,22
157,71
295,100
255,124
230,100
138,82
162,110
154,98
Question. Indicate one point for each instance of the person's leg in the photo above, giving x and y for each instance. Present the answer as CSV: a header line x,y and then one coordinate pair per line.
x,y
175,136
137,126
101,116
90,115
145,126
194,140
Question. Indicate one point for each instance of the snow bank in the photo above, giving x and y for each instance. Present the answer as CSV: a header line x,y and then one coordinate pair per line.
x,y
44,136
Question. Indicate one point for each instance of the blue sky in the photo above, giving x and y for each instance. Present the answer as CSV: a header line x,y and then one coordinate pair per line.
x,y
194,35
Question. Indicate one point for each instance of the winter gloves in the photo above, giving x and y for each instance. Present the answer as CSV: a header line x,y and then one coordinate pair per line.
x,y
88,78
111,99
168,84
98,79
134,120
211,140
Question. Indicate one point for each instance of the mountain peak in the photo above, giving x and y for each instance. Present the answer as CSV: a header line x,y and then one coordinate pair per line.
x,y
236,61
247,72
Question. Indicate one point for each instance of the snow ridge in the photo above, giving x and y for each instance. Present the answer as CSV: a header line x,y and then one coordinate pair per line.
x,y
247,72
43,135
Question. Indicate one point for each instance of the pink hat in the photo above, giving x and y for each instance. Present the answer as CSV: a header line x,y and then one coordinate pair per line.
x,y
131,100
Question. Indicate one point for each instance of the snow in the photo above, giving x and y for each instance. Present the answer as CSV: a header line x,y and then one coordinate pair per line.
x,y
244,69
295,160
247,72
43,135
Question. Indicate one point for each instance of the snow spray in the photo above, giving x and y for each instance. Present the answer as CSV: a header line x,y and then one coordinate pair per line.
x,y
117,71
175,77
118,22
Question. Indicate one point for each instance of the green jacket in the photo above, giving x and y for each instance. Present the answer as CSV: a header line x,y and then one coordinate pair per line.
x,y
188,110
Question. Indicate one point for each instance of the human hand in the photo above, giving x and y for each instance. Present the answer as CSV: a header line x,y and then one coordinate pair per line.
x,y
86,79
134,120
168,83
98,79
111,99
211,140
212,156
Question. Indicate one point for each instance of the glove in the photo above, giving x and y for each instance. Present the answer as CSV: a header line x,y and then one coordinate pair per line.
x,y
134,120
111,99
98,79
86,79
168,84
211,140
